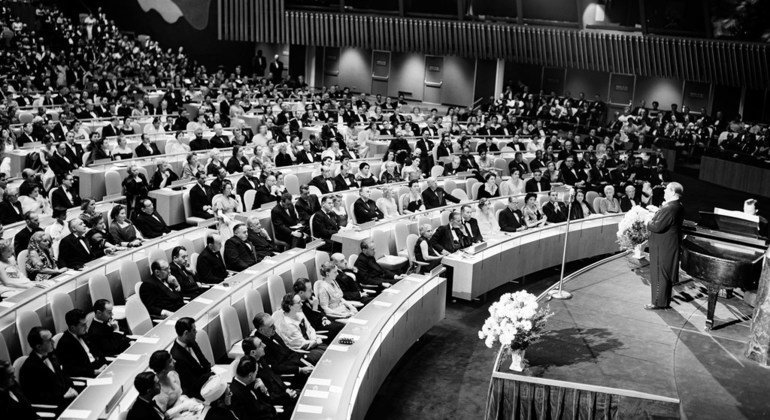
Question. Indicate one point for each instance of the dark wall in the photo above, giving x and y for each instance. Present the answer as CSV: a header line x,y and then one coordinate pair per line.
x,y
202,44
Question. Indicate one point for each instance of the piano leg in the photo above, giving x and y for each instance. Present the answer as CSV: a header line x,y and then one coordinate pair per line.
x,y
713,292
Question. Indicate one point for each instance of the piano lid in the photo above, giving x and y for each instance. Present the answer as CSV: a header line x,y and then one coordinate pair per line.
x,y
729,224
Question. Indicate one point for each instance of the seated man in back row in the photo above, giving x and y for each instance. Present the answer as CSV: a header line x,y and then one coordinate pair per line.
x,y
365,209
369,271
149,222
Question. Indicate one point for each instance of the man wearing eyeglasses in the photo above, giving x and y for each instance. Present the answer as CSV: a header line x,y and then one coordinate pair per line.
x,y
160,293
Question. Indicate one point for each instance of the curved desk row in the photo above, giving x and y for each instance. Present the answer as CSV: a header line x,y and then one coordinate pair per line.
x,y
112,392
75,283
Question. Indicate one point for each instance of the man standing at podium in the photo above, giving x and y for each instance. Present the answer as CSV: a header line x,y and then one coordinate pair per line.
x,y
665,240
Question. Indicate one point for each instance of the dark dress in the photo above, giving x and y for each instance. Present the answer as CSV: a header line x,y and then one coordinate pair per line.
x,y
431,252
135,191
665,239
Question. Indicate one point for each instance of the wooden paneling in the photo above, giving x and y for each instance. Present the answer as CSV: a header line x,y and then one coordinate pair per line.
x,y
696,60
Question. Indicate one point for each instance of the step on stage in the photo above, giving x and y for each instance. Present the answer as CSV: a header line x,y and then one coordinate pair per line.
x,y
603,337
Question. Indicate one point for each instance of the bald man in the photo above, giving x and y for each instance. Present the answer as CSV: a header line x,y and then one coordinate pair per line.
x,y
665,239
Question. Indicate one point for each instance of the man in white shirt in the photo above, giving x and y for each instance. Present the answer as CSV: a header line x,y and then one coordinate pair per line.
x,y
73,352
155,131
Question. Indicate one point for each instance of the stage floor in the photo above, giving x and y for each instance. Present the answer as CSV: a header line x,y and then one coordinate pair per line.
x,y
604,336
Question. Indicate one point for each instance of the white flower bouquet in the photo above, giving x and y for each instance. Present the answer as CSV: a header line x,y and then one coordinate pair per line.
x,y
632,230
516,321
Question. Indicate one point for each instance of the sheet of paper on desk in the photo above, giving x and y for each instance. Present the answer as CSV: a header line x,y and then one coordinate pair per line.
x,y
203,300
6,304
99,381
128,356
171,321
311,409
147,340
391,291
75,414
319,381
337,347
357,321
313,393
219,287
382,304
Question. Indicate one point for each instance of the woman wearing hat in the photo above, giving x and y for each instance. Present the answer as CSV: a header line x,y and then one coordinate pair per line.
x,y
217,397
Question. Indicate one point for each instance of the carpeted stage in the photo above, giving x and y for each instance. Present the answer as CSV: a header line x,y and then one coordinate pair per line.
x,y
603,336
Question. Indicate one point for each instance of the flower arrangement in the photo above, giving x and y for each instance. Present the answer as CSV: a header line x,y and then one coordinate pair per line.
x,y
516,321
632,230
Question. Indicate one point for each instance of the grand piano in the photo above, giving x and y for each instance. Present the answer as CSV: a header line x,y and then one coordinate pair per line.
x,y
722,251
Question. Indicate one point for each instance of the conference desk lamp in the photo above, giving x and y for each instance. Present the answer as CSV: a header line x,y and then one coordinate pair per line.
x,y
560,293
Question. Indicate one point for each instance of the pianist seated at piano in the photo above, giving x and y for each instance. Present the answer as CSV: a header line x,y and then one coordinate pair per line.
x,y
424,251
751,207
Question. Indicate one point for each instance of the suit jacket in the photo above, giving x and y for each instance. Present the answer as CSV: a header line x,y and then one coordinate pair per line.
x,y
211,267
511,220
432,199
275,386
143,410
105,341
60,166
263,247
324,226
244,185
72,254
74,359
370,272
188,282
109,131
151,225
599,177
320,183
192,373
626,203
304,156
235,165
531,185
10,213
263,197
75,155
442,239
40,384
283,220
219,142
156,296
522,167
59,198
342,185
142,151
553,216
24,138
200,197
21,240
19,408
199,144
475,233
247,405
366,211
306,208
281,358
239,254
571,177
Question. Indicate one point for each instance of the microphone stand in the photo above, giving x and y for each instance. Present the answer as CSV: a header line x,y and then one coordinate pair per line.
x,y
560,293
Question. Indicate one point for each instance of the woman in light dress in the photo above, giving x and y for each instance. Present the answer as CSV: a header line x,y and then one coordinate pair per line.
x,y
170,400
35,202
121,151
387,204
295,329
533,217
609,204
41,264
177,145
190,166
514,185
330,295
225,204
488,224
11,279
413,171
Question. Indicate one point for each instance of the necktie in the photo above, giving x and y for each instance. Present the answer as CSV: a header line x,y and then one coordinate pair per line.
x,y
85,244
303,328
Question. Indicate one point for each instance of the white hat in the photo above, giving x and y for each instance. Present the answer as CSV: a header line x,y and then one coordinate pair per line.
x,y
213,389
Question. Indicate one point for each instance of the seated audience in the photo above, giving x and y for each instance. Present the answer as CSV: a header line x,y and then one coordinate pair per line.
x,y
145,407
609,204
470,224
629,199
259,238
170,400
488,224
217,396
538,183
489,188
310,307
32,225
281,358
14,403
296,331
286,223
164,176
325,223
147,147
161,295
10,208
450,237
555,211
580,207
180,270
371,273
249,399
104,333
239,252
41,377
412,202
307,205
278,393
122,231
200,197
425,252
533,217
346,279
74,353
75,249
190,363
365,208
330,295
149,222
435,196
210,266
387,204
511,218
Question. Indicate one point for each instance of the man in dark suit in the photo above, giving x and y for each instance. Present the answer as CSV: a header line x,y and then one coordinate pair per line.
x,y
599,176
511,219
307,204
365,209
160,295
74,249
258,237
260,64
10,208
324,182
276,69
149,222
111,129
435,196
199,143
555,211
450,237
280,357
26,135
313,312
145,408
628,200
571,175
370,272
65,196
74,150
73,351
60,164
345,180
247,182
324,225
190,363
14,403
278,392
264,192
211,267
21,240
665,239
329,134
186,279
537,183
285,220
200,197
660,175
146,148
239,253
346,278
249,401
41,377
470,224
104,335
518,164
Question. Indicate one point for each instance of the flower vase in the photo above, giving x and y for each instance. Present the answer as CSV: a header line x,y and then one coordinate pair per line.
x,y
638,253
518,363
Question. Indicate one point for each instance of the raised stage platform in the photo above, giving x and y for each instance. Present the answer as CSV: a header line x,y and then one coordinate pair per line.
x,y
603,337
